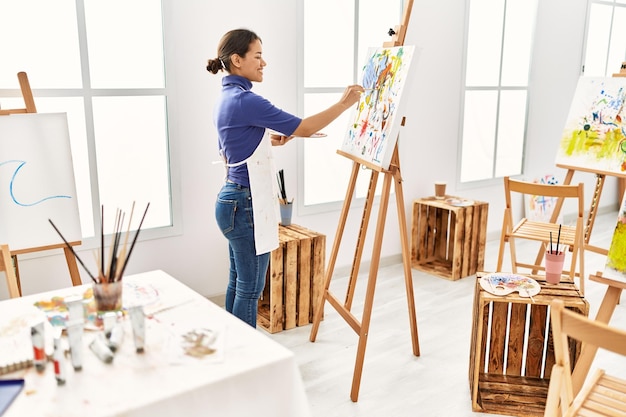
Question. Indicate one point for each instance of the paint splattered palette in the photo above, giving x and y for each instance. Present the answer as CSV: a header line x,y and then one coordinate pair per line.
x,y
459,202
132,295
506,283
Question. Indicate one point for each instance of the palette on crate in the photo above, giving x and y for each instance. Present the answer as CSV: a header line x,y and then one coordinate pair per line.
x,y
295,280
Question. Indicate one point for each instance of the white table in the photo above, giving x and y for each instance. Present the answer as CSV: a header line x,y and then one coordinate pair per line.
x,y
249,375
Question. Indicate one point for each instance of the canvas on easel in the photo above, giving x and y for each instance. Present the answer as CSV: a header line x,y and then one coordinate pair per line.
x,y
36,181
373,130
594,137
35,161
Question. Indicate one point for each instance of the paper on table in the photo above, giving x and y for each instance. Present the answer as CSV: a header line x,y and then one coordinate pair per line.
x,y
180,351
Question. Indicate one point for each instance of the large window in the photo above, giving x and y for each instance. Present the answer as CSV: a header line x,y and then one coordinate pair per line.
x,y
499,42
606,38
334,49
102,63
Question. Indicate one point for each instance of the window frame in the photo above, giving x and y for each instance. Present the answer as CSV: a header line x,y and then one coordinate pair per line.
x,y
86,93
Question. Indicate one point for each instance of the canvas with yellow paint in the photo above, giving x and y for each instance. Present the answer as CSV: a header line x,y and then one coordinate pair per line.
x,y
594,137
615,260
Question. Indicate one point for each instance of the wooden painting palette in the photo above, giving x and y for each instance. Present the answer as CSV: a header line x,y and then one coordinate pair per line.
x,y
501,283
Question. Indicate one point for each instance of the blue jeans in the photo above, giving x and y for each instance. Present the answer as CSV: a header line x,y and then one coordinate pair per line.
x,y
233,212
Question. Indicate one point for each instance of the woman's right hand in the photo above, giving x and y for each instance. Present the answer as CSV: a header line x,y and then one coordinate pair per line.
x,y
351,95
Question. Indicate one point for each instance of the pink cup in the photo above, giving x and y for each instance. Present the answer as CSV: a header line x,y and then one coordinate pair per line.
x,y
554,266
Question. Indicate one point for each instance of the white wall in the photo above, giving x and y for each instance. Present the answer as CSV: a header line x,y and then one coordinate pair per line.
x,y
428,143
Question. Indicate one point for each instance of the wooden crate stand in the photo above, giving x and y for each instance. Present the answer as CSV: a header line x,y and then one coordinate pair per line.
x,y
447,240
511,375
295,280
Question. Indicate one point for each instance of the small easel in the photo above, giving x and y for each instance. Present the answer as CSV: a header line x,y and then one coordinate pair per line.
x,y
8,258
393,173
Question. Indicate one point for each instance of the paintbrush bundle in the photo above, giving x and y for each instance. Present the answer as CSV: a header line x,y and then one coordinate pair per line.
x,y
111,268
280,176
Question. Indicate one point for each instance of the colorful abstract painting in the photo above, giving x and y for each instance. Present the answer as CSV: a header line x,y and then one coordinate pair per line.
x,y
538,207
374,124
594,137
615,260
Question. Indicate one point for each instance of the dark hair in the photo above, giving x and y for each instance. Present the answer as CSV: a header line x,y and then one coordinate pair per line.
x,y
236,41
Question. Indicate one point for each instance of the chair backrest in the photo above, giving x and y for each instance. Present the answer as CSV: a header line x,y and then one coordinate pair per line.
x,y
568,324
547,190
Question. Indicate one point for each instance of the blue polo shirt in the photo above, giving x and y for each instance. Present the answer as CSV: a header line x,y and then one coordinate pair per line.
x,y
241,118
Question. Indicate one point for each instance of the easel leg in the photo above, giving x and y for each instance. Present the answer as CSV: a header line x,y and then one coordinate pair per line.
x,y
71,264
6,265
333,254
16,268
371,286
406,260
367,211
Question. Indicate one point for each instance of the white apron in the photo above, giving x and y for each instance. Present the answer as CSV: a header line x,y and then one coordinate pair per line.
x,y
264,190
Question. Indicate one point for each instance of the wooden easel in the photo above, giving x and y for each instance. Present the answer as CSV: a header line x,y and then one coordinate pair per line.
x,y
597,192
393,173
8,258
593,209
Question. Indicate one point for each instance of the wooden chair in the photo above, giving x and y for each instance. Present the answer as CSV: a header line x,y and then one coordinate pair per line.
x,y
571,235
602,395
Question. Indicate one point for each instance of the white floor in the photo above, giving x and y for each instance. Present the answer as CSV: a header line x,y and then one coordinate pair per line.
x,y
394,382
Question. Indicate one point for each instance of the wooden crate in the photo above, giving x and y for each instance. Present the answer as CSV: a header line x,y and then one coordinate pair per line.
x,y
510,361
295,280
448,240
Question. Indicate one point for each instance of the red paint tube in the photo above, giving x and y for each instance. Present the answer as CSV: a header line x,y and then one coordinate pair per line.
x,y
39,346
59,360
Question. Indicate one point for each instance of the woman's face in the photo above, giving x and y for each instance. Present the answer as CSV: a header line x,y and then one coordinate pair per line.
x,y
251,66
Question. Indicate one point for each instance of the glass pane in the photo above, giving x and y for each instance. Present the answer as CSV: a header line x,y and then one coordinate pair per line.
x,y
323,185
479,132
39,37
75,109
518,38
328,43
374,25
125,128
597,40
617,51
125,40
484,43
511,128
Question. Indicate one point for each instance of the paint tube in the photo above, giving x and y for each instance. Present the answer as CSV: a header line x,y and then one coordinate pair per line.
x,y
75,308
115,337
59,359
108,322
39,346
75,337
99,347
138,321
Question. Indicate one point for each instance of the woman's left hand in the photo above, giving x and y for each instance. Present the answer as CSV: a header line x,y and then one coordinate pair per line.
x,y
278,140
